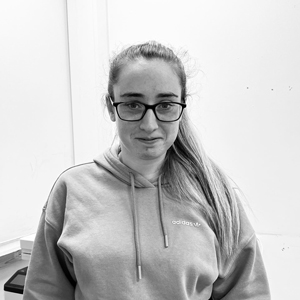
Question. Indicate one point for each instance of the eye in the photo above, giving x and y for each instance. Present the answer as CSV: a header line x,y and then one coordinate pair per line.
x,y
165,105
134,105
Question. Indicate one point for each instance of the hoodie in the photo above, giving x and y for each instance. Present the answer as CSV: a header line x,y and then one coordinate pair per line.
x,y
108,233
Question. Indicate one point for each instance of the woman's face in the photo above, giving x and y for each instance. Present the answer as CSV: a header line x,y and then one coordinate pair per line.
x,y
149,82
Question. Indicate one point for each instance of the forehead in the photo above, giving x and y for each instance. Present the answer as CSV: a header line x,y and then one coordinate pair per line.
x,y
147,76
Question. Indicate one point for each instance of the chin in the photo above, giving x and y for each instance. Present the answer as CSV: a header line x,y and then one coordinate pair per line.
x,y
149,154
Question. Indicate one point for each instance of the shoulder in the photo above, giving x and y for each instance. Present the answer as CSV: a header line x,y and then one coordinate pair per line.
x,y
77,171
69,176
246,234
80,174
246,229
69,183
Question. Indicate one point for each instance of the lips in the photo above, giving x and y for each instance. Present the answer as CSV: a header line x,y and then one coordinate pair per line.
x,y
148,140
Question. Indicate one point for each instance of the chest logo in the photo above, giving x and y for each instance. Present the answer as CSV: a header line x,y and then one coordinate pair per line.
x,y
186,223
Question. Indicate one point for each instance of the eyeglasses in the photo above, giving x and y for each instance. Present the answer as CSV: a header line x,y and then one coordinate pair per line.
x,y
135,111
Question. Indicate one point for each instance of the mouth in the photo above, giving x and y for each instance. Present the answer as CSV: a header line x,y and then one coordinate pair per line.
x,y
148,140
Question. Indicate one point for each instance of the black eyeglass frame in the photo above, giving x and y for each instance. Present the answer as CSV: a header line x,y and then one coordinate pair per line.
x,y
152,107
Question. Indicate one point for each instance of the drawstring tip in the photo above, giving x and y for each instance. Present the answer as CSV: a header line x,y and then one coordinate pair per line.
x,y
139,272
166,241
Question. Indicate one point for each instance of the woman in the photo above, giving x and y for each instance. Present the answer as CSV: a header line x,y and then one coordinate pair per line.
x,y
153,217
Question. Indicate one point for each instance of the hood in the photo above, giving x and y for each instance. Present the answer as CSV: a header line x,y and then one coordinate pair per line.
x,y
110,161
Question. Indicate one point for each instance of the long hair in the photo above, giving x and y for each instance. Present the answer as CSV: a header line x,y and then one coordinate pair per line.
x,y
191,175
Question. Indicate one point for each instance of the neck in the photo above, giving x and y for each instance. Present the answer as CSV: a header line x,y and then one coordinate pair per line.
x,y
148,168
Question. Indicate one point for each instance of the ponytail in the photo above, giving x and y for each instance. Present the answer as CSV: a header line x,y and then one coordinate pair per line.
x,y
193,177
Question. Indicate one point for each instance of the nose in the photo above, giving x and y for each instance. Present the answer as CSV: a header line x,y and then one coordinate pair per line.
x,y
149,121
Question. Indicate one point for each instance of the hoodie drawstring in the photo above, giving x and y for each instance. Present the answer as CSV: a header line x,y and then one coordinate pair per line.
x,y
136,224
161,213
136,230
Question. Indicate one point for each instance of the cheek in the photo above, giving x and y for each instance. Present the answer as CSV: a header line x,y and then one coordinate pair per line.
x,y
172,132
124,129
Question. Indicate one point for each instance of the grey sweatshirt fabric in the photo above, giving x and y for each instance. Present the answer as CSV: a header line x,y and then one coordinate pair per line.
x,y
108,233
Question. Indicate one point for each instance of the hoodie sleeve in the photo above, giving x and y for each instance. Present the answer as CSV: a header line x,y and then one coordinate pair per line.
x,y
50,274
245,276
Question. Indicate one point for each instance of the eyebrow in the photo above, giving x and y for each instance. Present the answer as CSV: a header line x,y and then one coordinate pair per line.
x,y
167,95
132,94
139,95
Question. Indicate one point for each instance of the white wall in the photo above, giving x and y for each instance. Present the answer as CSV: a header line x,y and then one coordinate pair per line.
x,y
88,42
35,115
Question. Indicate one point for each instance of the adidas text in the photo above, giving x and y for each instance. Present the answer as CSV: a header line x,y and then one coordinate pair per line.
x,y
182,222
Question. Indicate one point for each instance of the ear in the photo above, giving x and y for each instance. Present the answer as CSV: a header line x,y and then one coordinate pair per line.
x,y
110,108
